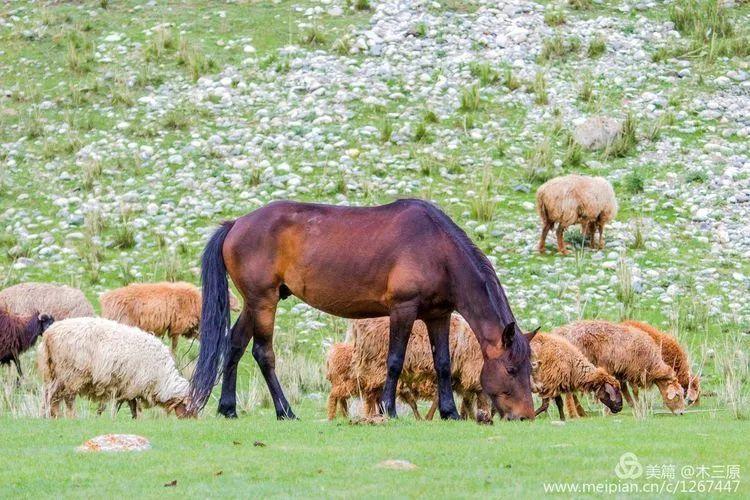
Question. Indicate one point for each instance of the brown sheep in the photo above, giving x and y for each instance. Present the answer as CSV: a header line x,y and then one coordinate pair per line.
x,y
675,356
58,301
575,199
559,367
339,374
629,354
417,379
158,308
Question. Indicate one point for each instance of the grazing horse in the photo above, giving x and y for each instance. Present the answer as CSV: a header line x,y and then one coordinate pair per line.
x,y
407,260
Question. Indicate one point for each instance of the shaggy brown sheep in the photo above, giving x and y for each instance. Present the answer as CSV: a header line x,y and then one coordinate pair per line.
x,y
418,375
675,356
18,334
159,308
58,301
559,367
575,199
629,354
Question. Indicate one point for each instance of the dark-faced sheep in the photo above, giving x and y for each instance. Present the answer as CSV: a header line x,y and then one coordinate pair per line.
x,y
575,199
629,354
675,356
159,308
107,361
58,301
18,334
559,367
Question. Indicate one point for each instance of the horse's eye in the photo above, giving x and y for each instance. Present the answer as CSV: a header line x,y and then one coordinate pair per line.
x,y
512,371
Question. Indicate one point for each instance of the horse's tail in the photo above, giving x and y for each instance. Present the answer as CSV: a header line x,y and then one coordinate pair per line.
x,y
214,327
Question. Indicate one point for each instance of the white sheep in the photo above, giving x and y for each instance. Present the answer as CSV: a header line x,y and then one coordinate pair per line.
x,y
104,360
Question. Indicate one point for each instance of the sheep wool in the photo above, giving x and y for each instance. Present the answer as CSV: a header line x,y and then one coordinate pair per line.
x,y
102,360
58,301
675,356
575,199
627,353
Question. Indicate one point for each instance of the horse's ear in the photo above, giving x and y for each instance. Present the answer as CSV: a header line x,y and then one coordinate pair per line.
x,y
509,334
531,335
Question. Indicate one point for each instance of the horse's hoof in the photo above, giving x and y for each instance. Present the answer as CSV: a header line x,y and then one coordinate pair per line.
x,y
228,412
451,416
289,415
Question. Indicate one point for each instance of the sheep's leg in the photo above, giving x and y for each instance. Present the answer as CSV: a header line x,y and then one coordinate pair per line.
x,y
370,404
331,406
467,407
100,409
600,226
543,408
70,405
240,337
560,409
133,404
579,409
560,243
402,320
262,324
175,341
412,402
439,330
591,234
626,393
433,408
546,226
17,362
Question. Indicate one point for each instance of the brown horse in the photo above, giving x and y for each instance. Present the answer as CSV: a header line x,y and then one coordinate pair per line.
x,y
407,260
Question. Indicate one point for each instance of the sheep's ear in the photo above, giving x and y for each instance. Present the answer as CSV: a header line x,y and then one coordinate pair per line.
x,y
530,336
611,391
671,392
509,334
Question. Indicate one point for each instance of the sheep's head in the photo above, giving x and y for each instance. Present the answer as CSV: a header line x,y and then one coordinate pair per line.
x,y
180,407
506,375
45,320
672,394
607,390
693,390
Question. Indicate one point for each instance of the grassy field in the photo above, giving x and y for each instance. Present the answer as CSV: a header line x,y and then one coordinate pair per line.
x,y
128,129
313,458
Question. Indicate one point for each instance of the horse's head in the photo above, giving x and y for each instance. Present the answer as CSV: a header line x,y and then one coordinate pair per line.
x,y
506,375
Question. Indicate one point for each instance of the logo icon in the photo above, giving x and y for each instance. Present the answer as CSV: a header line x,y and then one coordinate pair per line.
x,y
629,467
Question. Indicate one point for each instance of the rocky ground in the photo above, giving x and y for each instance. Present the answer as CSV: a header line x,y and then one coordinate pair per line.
x,y
120,174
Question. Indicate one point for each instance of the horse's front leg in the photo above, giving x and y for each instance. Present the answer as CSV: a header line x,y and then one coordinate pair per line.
x,y
263,318
240,337
439,332
402,320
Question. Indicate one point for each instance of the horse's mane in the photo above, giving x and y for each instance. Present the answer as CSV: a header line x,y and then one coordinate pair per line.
x,y
483,266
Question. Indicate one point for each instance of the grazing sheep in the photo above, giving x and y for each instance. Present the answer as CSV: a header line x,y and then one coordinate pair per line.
x,y
159,308
339,374
104,360
629,354
675,356
575,199
417,379
58,301
18,334
559,367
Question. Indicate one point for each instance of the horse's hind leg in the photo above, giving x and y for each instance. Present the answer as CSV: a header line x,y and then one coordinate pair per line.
x,y
438,330
402,320
241,333
263,319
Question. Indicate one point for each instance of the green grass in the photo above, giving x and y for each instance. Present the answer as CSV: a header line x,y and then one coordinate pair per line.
x,y
317,458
